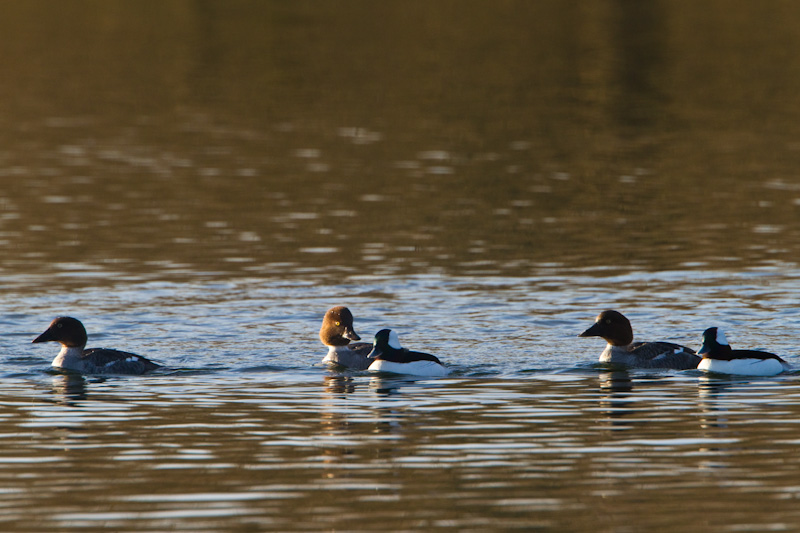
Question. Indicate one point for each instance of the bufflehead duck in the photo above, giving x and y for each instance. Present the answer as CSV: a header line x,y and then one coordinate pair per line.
x,y
71,334
388,356
336,333
719,357
618,333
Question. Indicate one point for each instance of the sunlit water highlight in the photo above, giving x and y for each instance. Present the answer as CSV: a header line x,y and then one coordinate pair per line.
x,y
548,449
245,427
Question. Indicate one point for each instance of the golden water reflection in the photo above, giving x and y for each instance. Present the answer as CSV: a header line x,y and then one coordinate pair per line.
x,y
193,138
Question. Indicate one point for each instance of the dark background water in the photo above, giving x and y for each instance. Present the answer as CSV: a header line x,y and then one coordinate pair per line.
x,y
199,180
376,136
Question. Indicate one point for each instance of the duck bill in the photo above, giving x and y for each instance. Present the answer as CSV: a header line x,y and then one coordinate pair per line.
x,y
375,353
349,334
593,331
705,349
45,337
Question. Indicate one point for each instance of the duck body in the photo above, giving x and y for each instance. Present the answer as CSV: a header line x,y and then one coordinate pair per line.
x,y
650,355
388,355
353,355
102,361
616,330
718,356
337,333
71,334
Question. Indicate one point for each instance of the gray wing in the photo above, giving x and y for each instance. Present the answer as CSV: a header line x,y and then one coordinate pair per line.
x,y
107,361
664,355
354,357
361,348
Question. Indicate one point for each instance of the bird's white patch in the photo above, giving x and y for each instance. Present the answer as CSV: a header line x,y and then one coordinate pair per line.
x,y
69,358
414,368
742,367
394,340
338,349
721,339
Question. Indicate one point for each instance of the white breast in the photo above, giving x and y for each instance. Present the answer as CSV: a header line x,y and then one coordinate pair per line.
x,y
69,358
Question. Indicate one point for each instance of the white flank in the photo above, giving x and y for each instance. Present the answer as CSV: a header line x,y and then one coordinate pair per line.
x,y
394,340
414,368
742,367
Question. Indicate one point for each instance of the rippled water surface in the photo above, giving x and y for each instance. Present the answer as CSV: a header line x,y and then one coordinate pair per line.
x,y
573,450
199,181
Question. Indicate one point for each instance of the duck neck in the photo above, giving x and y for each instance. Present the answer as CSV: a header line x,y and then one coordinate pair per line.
x,y
622,341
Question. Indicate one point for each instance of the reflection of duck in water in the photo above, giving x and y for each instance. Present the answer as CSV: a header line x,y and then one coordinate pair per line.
x,y
388,356
336,333
615,397
618,333
71,334
714,394
339,384
69,387
616,383
718,356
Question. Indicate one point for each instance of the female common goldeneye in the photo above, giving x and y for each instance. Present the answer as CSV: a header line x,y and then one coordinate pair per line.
x,y
336,333
719,357
388,356
616,330
71,334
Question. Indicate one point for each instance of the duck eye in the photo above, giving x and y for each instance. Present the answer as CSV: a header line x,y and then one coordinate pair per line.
x,y
60,325
338,324
608,321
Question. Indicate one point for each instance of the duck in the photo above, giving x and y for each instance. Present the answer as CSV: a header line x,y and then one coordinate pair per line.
x,y
388,355
616,329
337,333
71,334
718,356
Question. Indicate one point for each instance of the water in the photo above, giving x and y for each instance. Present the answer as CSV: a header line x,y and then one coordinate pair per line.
x,y
199,181
241,451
